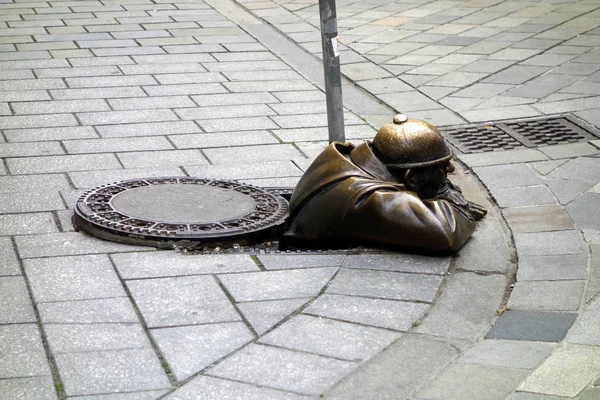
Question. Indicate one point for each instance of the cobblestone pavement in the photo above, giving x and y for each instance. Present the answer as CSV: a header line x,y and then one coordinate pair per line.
x,y
97,91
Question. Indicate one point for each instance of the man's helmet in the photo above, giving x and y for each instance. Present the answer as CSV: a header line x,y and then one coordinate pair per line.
x,y
410,143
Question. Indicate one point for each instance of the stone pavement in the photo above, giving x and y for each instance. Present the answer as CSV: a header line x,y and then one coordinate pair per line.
x,y
97,91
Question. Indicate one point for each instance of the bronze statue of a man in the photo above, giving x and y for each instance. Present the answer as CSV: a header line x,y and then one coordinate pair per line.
x,y
392,191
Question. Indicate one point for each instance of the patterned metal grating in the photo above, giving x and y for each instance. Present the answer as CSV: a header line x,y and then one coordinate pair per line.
x,y
508,135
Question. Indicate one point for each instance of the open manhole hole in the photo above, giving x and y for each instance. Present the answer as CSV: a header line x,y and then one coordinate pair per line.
x,y
519,133
182,211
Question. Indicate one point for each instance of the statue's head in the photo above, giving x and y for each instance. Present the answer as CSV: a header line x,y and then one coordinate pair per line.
x,y
415,153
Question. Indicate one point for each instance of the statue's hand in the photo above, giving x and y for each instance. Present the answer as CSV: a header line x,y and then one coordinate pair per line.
x,y
452,193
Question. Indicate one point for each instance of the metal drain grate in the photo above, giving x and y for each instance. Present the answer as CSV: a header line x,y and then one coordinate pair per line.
x,y
507,135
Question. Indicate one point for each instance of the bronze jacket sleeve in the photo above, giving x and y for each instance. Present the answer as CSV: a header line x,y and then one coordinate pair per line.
x,y
402,218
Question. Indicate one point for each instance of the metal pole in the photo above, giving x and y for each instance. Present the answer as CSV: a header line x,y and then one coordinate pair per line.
x,y
331,65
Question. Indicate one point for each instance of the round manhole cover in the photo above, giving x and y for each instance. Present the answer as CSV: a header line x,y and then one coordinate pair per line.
x,y
162,211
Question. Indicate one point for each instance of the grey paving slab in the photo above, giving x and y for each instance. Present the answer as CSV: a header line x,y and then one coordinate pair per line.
x,y
552,268
386,285
247,123
30,149
184,89
276,152
532,396
507,353
27,224
34,201
161,159
189,349
208,387
396,372
496,382
22,353
124,117
15,304
103,372
270,285
72,278
331,338
524,196
167,263
538,219
593,287
545,167
90,179
569,150
452,317
244,171
568,190
64,106
286,261
582,211
283,369
507,176
111,145
49,164
78,338
142,395
566,372
148,129
532,326
31,388
37,121
9,264
181,301
97,93
263,315
140,103
546,295
400,263
223,139
586,329
96,311
548,243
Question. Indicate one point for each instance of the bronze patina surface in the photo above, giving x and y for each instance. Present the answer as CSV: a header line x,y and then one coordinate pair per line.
x,y
393,191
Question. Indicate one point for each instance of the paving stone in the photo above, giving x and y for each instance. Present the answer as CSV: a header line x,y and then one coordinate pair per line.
x,y
545,167
516,74
503,157
507,353
235,98
97,93
9,264
49,164
72,278
27,224
103,372
111,81
589,394
112,145
570,150
207,387
77,71
586,329
48,134
400,263
270,285
583,213
496,382
386,285
263,315
452,317
525,196
276,152
245,171
507,176
26,95
96,311
330,338
532,326
184,89
552,268
282,369
32,388
141,103
145,395
78,338
237,111
30,149
538,219
37,121
90,179
287,261
34,201
124,117
408,101
548,243
167,263
568,370
189,349
532,396
12,184
243,138
181,301
567,190
593,287
546,295
161,158
21,352
148,129
15,304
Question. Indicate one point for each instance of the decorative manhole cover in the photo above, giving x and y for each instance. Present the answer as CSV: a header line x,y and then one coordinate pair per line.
x,y
165,212
507,135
